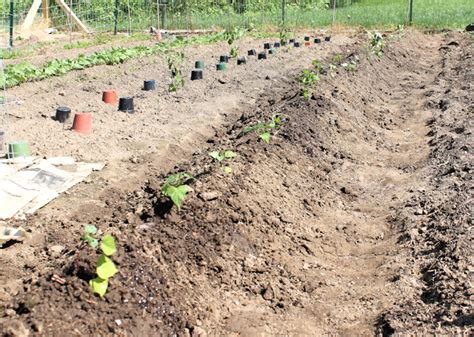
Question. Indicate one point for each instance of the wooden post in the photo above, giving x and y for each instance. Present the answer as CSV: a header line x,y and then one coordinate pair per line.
x,y
30,17
73,16
45,9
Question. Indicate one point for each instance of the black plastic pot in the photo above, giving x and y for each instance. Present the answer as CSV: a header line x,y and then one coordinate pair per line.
x,y
297,44
149,85
196,74
317,40
224,59
252,52
126,104
284,42
241,60
262,55
276,45
327,38
306,38
292,40
267,45
62,114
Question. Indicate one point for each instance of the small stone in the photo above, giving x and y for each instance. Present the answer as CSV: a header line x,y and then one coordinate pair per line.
x,y
269,293
118,322
15,328
37,326
287,218
208,196
55,250
10,312
198,332
419,211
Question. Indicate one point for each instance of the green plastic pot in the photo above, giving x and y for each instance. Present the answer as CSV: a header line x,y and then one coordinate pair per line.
x,y
199,65
221,66
272,51
18,149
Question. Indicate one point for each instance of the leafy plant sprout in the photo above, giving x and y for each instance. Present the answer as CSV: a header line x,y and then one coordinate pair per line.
x,y
176,188
224,155
88,237
377,44
105,267
263,129
307,79
318,66
221,155
231,36
352,65
174,61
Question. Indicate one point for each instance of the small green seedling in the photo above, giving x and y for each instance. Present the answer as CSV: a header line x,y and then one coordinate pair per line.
x,y
105,266
231,36
221,156
175,60
352,65
89,232
337,58
332,70
263,129
318,66
377,44
175,187
307,79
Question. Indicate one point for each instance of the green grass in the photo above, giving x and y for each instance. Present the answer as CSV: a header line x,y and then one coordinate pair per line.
x,y
366,13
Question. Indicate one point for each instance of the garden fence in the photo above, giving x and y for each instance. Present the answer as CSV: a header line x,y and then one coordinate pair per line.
x,y
108,16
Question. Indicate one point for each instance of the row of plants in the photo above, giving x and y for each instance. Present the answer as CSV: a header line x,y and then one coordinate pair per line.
x,y
24,72
308,78
177,185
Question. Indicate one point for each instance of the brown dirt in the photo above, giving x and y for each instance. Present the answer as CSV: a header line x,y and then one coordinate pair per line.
x,y
355,219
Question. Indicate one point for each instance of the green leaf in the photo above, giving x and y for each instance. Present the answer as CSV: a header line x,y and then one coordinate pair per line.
x,y
90,229
230,154
176,194
217,155
227,169
99,286
108,245
105,267
92,241
265,137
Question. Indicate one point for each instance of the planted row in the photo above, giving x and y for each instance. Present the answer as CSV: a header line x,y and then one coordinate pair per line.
x,y
23,72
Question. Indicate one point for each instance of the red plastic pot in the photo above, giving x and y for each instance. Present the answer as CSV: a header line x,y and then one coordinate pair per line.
x,y
110,97
307,43
82,123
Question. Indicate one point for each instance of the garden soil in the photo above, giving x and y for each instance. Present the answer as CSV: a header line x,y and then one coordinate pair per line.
x,y
354,220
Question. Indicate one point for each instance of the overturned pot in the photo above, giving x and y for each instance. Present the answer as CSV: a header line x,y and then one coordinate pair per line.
x,y
241,60
196,74
126,104
62,114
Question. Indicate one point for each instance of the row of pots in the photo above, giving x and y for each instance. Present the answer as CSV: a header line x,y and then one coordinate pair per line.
x,y
83,121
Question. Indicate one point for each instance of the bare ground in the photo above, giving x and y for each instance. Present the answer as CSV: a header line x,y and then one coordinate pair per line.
x,y
355,220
